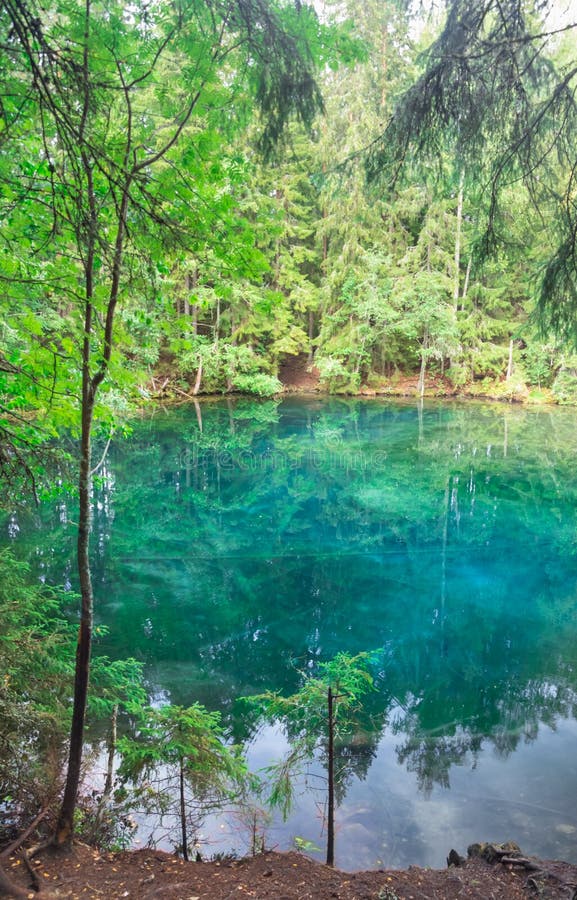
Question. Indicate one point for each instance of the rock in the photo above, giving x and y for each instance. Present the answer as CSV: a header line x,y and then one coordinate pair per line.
x,y
454,859
494,852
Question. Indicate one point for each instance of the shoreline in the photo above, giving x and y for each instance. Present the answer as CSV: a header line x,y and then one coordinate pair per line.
x,y
491,870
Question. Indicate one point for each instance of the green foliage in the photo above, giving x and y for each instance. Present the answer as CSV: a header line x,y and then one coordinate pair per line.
x,y
496,95
260,384
565,387
36,661
232,265
539,362
108,826
181,765
304,716
171,734
37,652
336,377
302,845
115,683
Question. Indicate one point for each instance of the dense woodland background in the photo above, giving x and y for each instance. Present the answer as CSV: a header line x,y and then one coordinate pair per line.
x,y
245,263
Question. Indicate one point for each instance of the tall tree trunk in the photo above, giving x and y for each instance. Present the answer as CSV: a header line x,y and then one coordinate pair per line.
x,y
331,782
510,362
90,384
65,825
311,336
457,284
191,309
466,285
217,322
197,383
111,752
183,812
421,382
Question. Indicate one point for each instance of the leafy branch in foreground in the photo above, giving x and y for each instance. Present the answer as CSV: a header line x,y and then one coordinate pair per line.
x,y
37,663
498,92
182,765
322,715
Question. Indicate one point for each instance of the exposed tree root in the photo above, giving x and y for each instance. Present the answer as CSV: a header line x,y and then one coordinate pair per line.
x,y
9,889
11,848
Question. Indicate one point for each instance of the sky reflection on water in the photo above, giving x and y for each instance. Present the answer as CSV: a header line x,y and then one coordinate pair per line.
x,y
228,560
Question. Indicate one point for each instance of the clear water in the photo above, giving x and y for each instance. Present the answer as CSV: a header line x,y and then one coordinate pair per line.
x,y
228,558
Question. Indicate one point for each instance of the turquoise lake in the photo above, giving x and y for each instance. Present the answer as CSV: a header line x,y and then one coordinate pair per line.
x,y
240,543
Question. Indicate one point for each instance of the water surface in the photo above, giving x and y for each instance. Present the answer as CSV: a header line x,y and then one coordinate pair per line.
x,y
237,545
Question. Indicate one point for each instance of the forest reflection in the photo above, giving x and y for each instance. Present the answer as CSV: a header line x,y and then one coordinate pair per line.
x,y
239,544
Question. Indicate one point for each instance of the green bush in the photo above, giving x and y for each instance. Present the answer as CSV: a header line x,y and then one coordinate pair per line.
x,y
458,375
538,363
258,383
565,387
334,374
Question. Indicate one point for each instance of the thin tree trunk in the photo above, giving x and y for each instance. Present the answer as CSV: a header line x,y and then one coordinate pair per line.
x,y
311,336
191,309
197,383
217,322
384,72
510,362
65,826
466,285
111,751
331,782
421,382
90,384
183,813
457,285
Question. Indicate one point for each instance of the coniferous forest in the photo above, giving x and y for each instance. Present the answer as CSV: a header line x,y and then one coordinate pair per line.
x,y
220,197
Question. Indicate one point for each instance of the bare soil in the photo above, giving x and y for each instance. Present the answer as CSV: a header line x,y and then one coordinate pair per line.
x,y
153,875
298,375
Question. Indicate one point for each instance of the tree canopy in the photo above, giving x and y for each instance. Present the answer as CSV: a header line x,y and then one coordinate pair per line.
x,y
498,92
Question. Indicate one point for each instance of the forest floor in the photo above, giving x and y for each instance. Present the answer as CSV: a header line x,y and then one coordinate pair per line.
x,y
298,377
155,875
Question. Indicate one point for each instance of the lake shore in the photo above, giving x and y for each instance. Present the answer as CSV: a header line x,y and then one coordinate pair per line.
x,y
149,874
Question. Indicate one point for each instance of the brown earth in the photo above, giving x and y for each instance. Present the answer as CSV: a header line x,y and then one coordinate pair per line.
x,y
297,375
154,875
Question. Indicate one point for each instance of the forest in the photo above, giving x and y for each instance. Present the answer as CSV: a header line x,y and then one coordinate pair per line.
x,y
196,196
